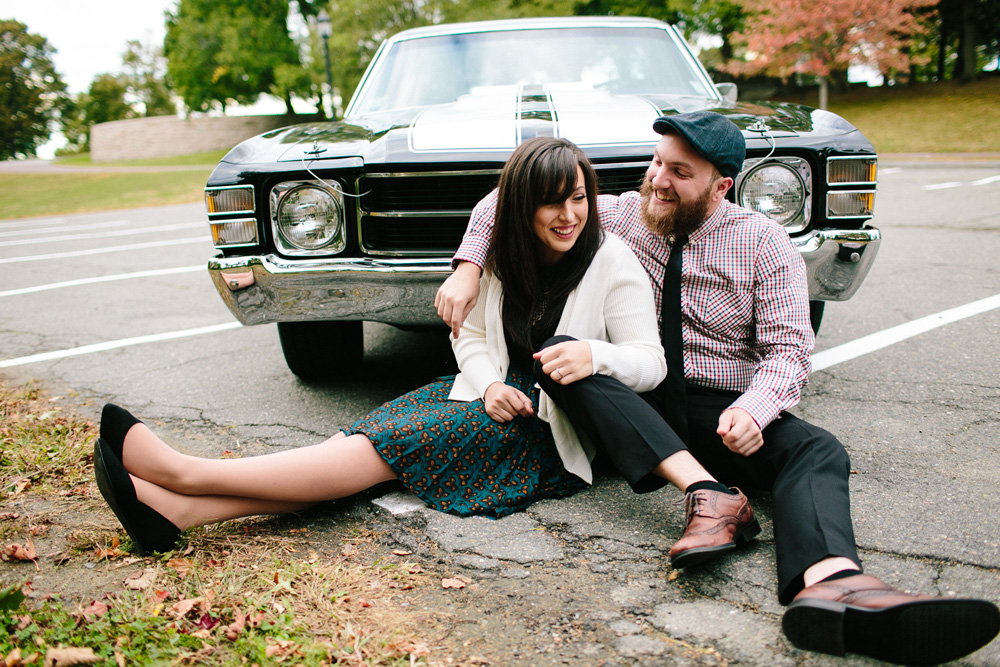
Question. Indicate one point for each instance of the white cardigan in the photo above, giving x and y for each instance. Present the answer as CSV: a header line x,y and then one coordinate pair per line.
x,y
612,309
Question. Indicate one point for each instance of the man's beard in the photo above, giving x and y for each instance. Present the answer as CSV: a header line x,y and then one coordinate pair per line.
x,y
686,216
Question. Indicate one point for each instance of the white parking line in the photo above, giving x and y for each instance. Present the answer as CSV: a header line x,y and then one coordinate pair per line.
x,y
99,251
820,360
881,339
71,228
115,344
103,235
103,279
943,186
987,180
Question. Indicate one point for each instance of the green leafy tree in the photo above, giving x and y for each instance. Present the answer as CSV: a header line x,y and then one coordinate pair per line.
x,y
104,102
146,79
31,91
224,51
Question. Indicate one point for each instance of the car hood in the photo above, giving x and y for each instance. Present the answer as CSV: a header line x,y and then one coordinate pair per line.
x,y
489,126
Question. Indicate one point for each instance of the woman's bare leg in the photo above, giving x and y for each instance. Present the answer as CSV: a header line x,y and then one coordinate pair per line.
x,y
186,512
338,467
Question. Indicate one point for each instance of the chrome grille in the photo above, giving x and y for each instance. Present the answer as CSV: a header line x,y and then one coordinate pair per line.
x,y
425,213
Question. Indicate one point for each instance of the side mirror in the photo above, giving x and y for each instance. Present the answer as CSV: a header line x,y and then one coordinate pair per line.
x,y
727,90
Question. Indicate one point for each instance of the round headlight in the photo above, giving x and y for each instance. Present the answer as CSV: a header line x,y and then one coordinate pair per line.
x,y
310,218
775,190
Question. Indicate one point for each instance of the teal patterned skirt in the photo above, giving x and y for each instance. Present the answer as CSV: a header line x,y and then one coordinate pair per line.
x,y
455,458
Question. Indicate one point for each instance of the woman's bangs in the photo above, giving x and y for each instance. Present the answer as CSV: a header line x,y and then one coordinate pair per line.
x,y
558,179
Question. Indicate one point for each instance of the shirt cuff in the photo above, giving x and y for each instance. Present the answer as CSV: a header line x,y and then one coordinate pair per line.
x,y
760,409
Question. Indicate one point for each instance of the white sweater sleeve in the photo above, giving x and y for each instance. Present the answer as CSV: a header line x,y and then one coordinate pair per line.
x,y
632,353
474,353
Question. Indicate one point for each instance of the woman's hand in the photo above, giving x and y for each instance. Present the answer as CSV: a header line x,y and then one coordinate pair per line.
x,y
566,362
504,402
457,295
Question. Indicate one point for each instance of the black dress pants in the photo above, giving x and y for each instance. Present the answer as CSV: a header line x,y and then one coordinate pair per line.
x,y
804,467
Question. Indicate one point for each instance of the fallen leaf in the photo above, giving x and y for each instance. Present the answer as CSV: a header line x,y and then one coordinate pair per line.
x,y
96,609
234,629
673,575
140,581
206,621
414,569
452,583
180,565
26,552
180,608
362,602
62,657
401,552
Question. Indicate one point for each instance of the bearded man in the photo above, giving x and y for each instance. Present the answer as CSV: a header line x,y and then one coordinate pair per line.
x,y
734,312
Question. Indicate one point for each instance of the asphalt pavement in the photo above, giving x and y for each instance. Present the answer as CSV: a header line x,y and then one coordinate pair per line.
x,y
919,418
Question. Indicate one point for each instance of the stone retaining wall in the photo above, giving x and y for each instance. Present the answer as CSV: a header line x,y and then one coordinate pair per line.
x,y
166,136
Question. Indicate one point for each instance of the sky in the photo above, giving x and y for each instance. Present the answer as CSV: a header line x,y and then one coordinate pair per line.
x,y
89,37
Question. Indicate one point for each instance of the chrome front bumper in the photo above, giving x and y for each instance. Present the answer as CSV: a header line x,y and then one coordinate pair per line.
x,y
837,260
262,289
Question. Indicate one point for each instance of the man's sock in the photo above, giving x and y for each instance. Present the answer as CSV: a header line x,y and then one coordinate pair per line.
x,y
709,485
843,574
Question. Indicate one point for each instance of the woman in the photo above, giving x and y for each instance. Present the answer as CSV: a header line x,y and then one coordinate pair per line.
x,y
482,442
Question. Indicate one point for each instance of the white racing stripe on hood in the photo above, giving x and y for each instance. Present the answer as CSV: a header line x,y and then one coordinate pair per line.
x,y
492,122
598,119
470,124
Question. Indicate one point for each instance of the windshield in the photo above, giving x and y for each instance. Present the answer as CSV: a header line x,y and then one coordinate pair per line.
x,y
440,69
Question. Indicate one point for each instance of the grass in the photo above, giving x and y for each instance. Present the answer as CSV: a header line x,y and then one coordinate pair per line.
x,y
944,117
39,445
208,158
30,195
233,596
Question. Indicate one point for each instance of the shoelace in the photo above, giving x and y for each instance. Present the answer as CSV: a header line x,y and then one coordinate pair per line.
x,y
692,503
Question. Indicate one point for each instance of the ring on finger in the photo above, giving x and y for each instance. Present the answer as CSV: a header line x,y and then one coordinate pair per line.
x,y
560,371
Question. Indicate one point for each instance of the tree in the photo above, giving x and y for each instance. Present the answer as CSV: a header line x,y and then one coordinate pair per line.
x,y
712,17
224,51
31,91
145,78
103,103
786,37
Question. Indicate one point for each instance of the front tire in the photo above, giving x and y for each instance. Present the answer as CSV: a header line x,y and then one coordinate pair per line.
x,y
322,350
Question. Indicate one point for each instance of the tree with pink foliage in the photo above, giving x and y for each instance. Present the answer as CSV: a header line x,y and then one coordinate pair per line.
x,y
786,37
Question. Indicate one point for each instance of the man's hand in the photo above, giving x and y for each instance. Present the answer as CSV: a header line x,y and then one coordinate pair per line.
x,y
457,295
504,402
566,362
739,431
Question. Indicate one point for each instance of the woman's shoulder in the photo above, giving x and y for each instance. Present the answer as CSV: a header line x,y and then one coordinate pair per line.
x,y
613,249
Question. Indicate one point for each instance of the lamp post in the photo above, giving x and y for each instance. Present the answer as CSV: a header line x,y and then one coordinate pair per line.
x,y
324,26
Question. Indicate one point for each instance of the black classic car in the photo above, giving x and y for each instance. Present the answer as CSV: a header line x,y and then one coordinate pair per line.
x,y
323,226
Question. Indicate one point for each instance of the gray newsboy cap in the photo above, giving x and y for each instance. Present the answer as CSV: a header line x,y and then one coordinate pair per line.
x,y
712,135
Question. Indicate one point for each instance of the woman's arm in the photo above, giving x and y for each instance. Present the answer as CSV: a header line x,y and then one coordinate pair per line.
x,y
632,353
472,348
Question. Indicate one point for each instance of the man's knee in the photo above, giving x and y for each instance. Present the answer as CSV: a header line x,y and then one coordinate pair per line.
x,y
541,378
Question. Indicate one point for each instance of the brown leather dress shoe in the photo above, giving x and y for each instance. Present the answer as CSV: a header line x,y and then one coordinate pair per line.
x,y
860,614
716,523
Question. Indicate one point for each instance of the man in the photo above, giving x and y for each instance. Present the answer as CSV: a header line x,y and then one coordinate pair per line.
x,y
739,292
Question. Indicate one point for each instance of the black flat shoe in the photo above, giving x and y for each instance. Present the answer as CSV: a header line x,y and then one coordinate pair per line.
x,y
149,530
115,424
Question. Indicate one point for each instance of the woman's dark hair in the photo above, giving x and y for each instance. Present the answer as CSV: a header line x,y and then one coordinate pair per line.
x,y
541,171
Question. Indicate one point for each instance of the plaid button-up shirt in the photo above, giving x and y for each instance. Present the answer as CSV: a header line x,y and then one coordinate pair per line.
x,y
743,295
